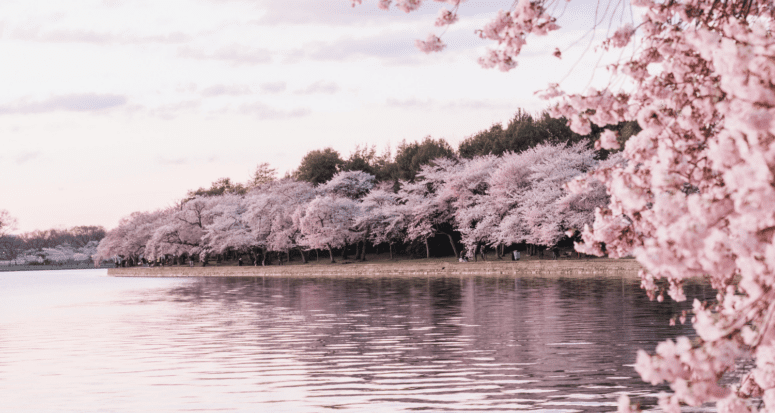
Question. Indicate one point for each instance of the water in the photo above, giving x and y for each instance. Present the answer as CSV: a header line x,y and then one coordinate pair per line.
x,y
79,341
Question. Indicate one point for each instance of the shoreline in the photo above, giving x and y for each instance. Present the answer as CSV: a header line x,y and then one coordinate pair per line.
x,y
21,268
626,267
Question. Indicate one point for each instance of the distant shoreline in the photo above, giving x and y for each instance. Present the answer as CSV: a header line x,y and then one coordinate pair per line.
x,y
407,268
86,266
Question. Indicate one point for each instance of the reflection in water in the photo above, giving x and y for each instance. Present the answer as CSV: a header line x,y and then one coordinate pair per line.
x,y
79,342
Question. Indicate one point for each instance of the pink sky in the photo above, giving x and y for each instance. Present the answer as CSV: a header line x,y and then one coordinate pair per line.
x,y
110,107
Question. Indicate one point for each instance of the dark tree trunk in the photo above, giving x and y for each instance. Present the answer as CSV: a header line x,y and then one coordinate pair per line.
x,y
483,250
344,252
253,256
363,250
331,253
390,248
303,257
263,257
427,249
452,243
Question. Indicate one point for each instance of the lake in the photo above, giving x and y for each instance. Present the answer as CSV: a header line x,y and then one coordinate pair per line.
x,y
80,341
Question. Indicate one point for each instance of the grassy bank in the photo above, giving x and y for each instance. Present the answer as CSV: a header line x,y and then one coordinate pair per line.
x,y
417,267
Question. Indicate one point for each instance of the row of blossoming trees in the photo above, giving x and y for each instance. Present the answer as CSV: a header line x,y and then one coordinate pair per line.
x,y
494,201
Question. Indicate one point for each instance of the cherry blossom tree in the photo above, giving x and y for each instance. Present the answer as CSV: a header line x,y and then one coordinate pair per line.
x,y
694,196
129,239
10,245
271,214
541,206
328,222
7,222
229,229
431,208
183,230
383,218
511,185
465,188
353,185
350,184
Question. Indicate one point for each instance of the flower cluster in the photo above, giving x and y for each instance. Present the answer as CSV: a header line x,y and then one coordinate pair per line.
x,y
432,44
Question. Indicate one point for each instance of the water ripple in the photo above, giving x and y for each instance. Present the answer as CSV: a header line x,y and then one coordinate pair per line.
x,y
465,344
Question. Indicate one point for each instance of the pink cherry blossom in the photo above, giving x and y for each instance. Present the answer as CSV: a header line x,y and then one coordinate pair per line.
x,y
432,44
446,17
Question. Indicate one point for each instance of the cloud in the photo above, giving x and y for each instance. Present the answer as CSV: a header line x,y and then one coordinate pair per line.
x,y
397,47
274,87
235,54
169,111
471,104
341,12
95,37
25,157
233,90
334,13
409,103
75,103
389,46
263,111
466,104
319,87
175,161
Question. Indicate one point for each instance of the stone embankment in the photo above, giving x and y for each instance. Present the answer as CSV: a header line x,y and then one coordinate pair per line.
x,y
546,268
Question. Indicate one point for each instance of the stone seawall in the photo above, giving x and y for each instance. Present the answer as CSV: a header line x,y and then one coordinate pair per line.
x,y
564,268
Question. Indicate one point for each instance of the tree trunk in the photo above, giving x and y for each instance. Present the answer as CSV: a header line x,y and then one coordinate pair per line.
x,y
452,243
317,254
263,257
344,251
363,250
483,251
476,252
331,253
390,248
303,258
427,249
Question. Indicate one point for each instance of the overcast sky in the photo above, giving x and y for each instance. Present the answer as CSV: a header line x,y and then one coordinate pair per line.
x,y
111,106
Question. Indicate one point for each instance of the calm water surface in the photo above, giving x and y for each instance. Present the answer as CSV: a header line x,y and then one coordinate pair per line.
x,y
79,341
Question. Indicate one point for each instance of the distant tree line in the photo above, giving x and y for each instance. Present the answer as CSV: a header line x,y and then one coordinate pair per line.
x,y
52,245
503,188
